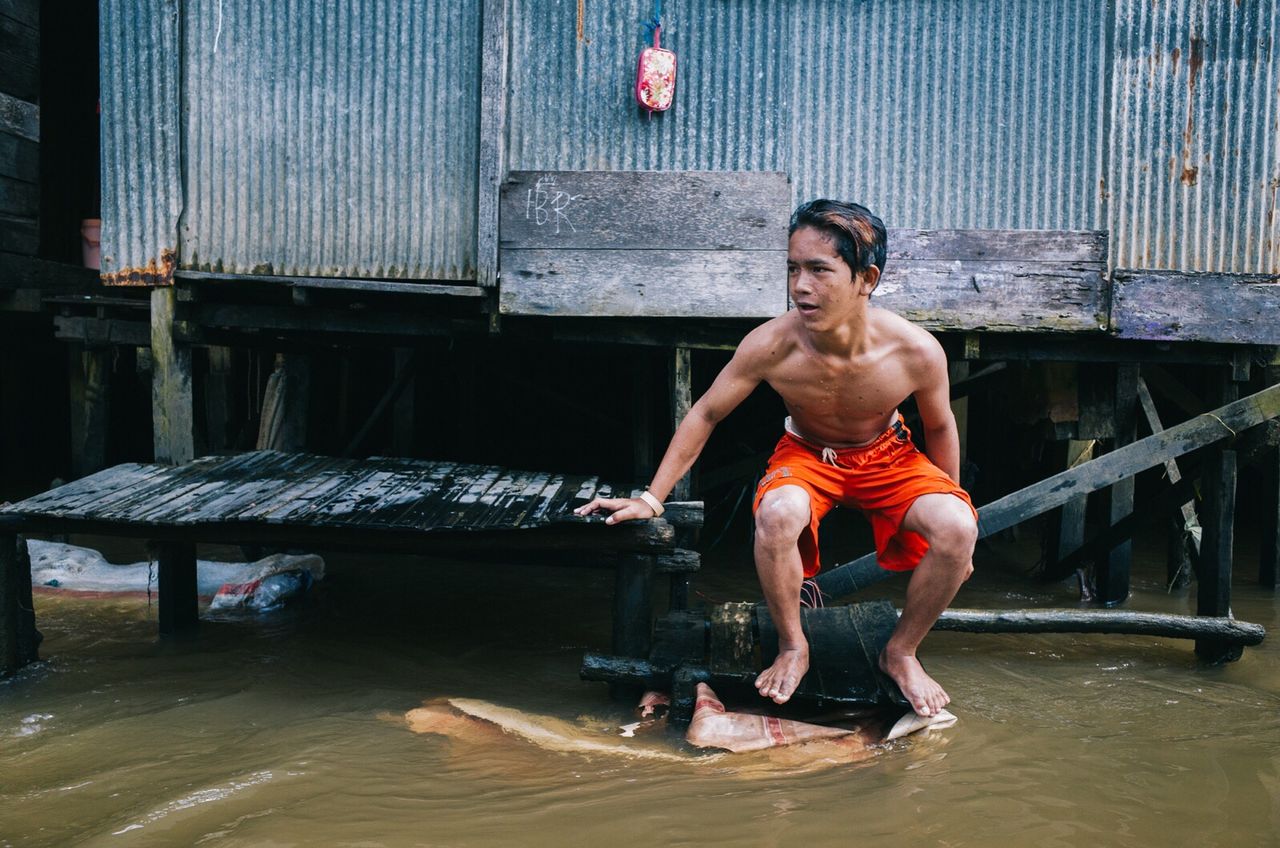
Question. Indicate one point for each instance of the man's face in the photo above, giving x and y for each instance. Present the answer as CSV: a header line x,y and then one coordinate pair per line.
x,y
820,283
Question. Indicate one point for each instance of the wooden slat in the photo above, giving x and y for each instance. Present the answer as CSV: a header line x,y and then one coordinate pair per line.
x,y
508,507
682,210
412,485
537,511
1167,306
424,515
644,283
1055,246
1005,296
19,158
336,505
256,484
186,503
154,488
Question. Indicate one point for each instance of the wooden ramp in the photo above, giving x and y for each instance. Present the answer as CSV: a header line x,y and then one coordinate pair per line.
x,y
381,504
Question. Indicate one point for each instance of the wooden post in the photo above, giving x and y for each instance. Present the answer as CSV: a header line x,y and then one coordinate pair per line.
x,y
217,398
1269,548
681,381
10,606
632,613
1071,521
402,411
171,412
643,463
89,372
1178,559
1112,574
958,371
179,603
1214,591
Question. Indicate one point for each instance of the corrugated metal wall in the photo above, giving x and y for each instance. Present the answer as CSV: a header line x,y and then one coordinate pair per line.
x,y
341,140
1195,148
141,177
334,139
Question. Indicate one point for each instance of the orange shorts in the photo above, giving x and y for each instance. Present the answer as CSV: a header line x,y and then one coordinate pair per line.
x,y
883,479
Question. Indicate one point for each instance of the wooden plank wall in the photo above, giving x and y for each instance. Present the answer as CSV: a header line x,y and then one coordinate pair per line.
x,y
1172,306
19,127
997,280
673,244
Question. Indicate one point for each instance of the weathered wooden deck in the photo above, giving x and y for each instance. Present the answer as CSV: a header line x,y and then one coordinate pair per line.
x,y
387,504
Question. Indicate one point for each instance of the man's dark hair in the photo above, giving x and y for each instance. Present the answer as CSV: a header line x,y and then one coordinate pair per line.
x,y
859,235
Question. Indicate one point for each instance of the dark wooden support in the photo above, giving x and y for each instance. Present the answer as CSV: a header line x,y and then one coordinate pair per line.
x,y
90,379
1214,592
1112,573
1269,548
217,398
681,382
171,402
633,606
1072,517
643,462
179,602
10,607
399,383
402,414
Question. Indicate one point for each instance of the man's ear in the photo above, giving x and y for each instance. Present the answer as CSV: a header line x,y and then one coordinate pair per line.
x,y
868,280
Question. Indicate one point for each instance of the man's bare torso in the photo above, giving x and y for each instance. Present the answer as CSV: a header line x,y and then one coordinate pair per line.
x,y
838,399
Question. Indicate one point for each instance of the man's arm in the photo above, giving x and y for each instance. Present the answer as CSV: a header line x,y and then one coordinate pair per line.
x,y
933,399
734,383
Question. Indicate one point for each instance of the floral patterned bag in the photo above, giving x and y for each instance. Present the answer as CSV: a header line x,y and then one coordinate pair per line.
x,y
656,76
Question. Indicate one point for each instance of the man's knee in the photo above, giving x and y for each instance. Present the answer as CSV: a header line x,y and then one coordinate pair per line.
x,y
783,513
952,532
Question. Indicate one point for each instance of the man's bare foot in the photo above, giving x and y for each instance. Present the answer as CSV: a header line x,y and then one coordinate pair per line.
x,y
922,691
780,680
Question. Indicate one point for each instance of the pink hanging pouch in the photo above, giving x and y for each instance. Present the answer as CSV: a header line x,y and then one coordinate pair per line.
x,y
656,76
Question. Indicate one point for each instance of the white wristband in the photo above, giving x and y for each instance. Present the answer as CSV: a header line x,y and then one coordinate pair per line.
x,y
654,503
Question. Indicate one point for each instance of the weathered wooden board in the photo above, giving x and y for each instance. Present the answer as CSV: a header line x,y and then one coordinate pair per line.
x,y
19,58
636,210
1167,306
1000,296
644,243
644,283
973,245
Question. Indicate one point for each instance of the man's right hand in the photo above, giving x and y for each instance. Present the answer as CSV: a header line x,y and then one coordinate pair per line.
x,y
620,509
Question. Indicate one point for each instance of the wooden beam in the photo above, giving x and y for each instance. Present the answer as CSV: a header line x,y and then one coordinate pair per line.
x,y
681,383
90,383
1096,621
10,607
171,400
1173,306
1178,564
425,288
1222,423
633,606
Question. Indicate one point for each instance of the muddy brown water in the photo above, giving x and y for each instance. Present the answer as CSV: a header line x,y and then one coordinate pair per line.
x,y
281,730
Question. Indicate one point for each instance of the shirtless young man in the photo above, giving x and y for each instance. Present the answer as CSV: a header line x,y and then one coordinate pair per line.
x,y
842,368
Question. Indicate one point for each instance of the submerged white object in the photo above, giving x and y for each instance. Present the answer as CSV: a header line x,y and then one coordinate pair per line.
x,y
63,566
914,722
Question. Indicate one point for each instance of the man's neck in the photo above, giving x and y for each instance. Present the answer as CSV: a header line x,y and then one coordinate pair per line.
x,y
846,340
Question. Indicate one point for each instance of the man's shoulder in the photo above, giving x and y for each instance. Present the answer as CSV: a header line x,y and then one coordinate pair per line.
x,y
911,340
772,337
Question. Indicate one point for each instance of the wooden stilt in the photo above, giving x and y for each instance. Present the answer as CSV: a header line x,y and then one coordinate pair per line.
x,y
171,412
89,372
633,606
1112,573
10,606
402,413
1213,596
1269,549
643,462
217,398
179,604
957,373
1072,517
681,402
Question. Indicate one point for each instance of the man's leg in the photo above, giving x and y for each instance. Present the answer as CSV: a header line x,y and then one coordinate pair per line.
x,y
782,516
947,523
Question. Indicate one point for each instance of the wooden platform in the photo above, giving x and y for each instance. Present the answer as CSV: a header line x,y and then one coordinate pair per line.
x,y
386,504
